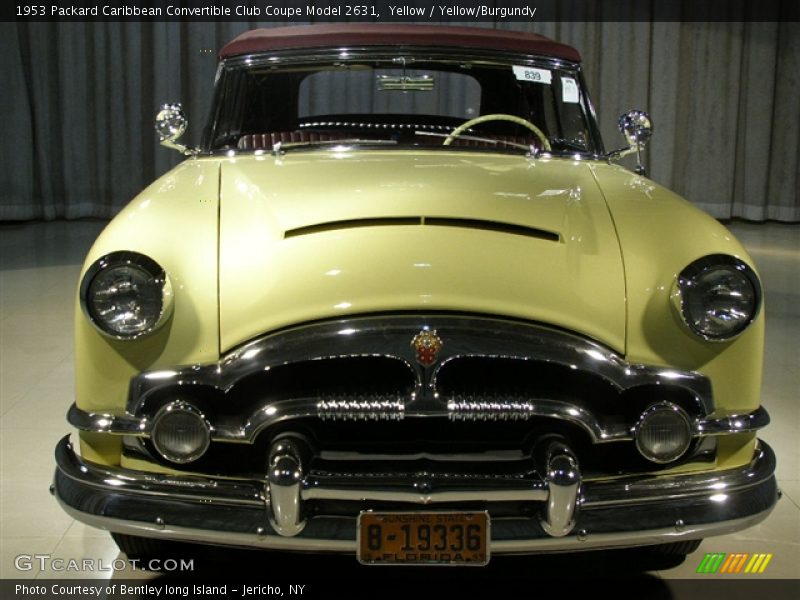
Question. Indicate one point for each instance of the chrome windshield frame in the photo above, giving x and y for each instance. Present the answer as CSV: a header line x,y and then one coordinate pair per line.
x,y
323,56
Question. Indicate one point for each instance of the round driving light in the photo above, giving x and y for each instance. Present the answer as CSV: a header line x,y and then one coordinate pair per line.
x,y
180,433
126,295
719,296
663,433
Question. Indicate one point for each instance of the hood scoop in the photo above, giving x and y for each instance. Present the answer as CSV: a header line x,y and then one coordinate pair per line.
x,y
480,224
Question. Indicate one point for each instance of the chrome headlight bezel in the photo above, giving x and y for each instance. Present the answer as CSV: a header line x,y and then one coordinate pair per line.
x,y
687,281
143,264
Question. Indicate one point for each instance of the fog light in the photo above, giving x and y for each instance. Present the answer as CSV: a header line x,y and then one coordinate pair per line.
x,y
180,432
663,433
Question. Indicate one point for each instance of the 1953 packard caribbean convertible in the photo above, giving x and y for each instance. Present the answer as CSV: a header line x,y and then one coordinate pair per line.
x,y
402,304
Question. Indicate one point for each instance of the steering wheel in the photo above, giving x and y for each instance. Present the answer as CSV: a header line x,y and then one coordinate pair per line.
x,y
498,117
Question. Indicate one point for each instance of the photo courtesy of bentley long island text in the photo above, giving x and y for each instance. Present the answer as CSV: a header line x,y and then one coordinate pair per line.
x,y
423,316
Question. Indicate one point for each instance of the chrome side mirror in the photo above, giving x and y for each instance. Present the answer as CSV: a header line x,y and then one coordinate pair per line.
x,y
637,128
635,125
171,123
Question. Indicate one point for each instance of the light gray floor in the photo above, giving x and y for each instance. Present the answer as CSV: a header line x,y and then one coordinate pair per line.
x,y
39,266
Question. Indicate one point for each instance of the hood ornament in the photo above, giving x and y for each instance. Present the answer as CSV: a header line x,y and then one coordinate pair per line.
x,y
427,346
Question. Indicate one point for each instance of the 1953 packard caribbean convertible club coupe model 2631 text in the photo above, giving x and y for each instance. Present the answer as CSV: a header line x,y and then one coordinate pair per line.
x,y
402,304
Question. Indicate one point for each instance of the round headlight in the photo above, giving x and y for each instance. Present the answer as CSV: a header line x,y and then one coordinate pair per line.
x,y
718,297
663,433
180,432
126,295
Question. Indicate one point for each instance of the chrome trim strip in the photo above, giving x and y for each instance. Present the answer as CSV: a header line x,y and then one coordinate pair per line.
x,y
521,495
388,53
375,410
471,457
652,510
100,422
366,146
424,488
738,423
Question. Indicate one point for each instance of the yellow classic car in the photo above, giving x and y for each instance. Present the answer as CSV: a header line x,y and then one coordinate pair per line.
x,y
402,304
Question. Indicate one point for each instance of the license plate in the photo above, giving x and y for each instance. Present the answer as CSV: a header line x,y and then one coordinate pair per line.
x,y
432,538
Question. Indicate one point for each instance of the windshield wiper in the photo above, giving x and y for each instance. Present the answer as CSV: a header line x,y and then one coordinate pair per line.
x,y
282,147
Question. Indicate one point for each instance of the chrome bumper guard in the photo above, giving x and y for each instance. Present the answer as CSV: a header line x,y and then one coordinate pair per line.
x,y
572,514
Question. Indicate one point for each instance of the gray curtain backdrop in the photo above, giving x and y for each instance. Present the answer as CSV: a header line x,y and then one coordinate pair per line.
x,y
78,102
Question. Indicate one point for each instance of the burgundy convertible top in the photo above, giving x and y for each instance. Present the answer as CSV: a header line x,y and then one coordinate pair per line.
x,y
348,34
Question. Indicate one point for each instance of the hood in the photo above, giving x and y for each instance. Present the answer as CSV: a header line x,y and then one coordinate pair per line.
x,y
315,235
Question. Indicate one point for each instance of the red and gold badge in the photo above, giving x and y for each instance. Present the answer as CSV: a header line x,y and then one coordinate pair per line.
x,y
427,345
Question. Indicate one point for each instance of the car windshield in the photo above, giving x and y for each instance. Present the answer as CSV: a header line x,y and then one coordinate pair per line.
x,y
402,100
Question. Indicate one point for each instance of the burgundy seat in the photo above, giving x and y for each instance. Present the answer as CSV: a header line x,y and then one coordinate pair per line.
x,y
265,141
262,141
501,139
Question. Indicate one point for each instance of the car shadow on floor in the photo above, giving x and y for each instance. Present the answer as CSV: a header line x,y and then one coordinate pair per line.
x,y
508,576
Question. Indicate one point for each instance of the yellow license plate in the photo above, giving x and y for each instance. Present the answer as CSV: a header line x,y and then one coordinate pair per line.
x,y
433,538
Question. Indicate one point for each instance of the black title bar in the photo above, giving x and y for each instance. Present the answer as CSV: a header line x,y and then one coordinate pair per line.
x,y
290,12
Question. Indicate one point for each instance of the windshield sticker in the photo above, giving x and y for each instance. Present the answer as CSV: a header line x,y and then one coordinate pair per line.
x,y
533,74
569,90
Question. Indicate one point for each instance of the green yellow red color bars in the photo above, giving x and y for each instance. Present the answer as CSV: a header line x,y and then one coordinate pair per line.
x,y
720,562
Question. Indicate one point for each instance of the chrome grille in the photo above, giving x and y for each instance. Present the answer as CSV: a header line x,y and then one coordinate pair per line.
x,y
360,408
468,408
366,369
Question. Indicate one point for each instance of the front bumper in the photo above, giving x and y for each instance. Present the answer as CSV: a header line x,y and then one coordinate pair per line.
x,y
631,511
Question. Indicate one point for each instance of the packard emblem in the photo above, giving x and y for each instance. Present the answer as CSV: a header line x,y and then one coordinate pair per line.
x,y
427,345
